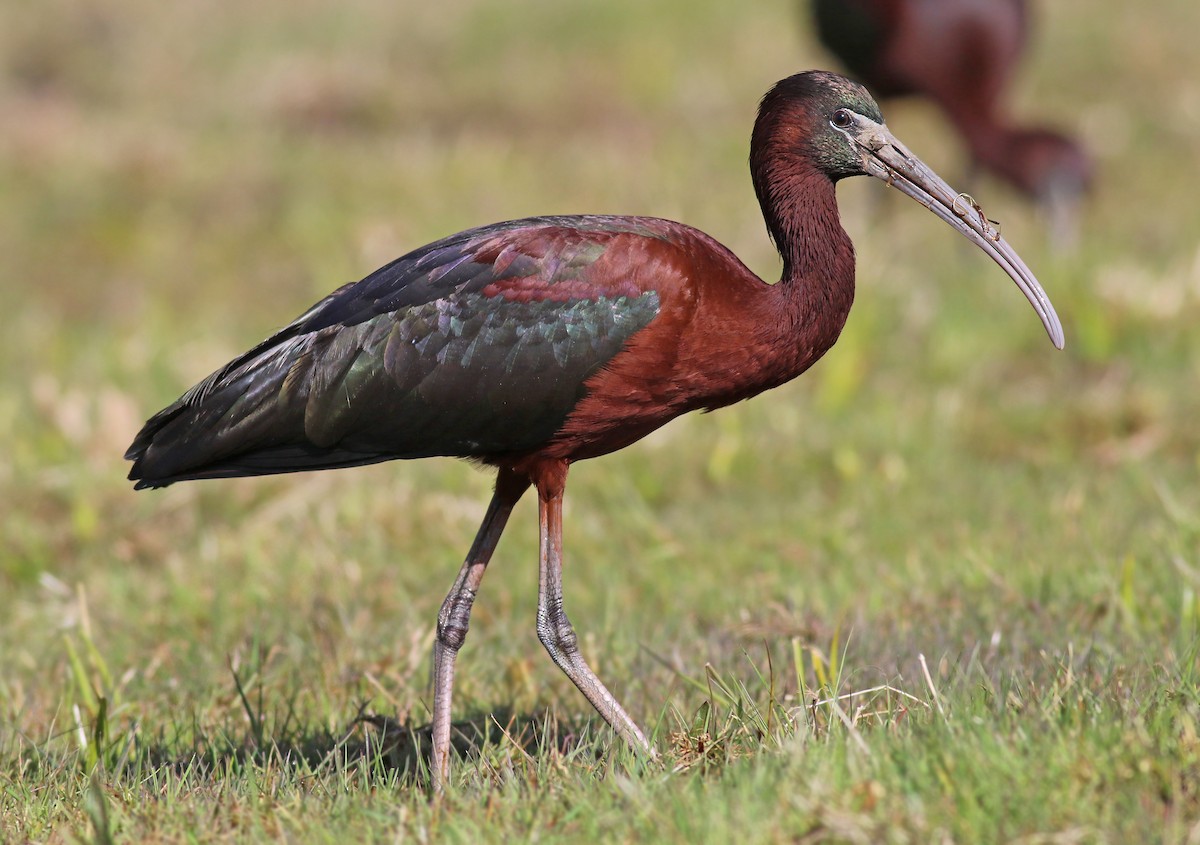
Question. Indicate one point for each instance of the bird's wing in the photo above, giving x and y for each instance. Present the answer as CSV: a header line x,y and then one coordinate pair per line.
x,y
476,345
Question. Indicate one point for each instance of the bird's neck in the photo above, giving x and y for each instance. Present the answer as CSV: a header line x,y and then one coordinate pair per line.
x,y
800,209
800,318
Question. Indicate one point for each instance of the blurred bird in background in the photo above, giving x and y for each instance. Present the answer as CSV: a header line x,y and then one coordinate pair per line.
x,y
961,55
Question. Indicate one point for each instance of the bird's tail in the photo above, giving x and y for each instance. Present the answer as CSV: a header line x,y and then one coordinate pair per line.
x,y
247,418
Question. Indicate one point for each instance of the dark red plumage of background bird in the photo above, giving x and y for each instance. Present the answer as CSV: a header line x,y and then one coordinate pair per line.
x,y
962,55
532,344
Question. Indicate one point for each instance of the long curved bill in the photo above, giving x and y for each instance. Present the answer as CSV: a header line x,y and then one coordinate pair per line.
x,y
886,158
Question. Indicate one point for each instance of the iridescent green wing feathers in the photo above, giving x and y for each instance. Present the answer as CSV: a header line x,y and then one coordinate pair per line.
x,y
474,346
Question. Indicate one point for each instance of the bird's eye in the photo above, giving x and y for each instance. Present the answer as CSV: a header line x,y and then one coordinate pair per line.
x,y
842,119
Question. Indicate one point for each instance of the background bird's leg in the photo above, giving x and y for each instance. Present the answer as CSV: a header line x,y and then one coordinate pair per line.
x,y
455,616
554,629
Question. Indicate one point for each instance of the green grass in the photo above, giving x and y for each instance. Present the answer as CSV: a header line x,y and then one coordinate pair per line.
x,y
944,588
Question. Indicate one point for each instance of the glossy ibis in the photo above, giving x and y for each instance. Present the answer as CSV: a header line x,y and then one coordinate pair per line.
x,y
532,344
961,54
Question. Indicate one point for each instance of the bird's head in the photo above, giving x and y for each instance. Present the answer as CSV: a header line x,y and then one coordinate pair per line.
x,y
804,115
820,123
1041,161
1053,169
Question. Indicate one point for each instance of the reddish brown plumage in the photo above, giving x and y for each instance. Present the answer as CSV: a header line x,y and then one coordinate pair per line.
x,y
722,334
962,55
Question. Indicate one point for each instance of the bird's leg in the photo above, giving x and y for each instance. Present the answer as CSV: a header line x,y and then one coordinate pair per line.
x,y
555,631
455,615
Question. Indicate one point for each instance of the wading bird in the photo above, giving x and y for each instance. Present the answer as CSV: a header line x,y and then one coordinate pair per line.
x,y
532,344
961,55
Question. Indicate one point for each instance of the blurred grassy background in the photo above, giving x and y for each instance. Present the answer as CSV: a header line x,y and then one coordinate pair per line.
x,y
176,180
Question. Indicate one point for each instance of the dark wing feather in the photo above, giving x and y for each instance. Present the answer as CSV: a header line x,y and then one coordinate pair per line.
x,y
473,346
856,32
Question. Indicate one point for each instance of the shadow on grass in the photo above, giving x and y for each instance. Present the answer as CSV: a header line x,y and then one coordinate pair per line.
x,y
377,748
